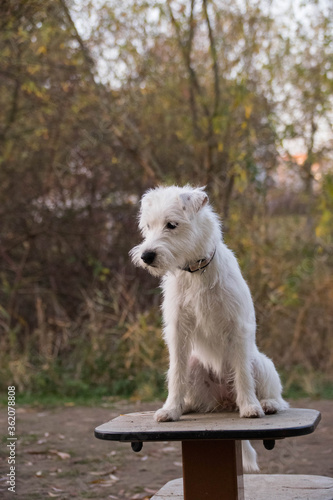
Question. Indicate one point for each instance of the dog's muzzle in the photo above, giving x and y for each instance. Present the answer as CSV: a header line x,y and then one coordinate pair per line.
x,y
148,257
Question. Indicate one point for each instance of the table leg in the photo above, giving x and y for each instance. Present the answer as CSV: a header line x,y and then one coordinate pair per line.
x,y
213,470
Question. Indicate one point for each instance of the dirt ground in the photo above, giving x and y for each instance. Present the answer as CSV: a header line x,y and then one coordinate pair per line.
x,y
59,457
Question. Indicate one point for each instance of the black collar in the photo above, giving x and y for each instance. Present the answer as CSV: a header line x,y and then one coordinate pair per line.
x,y
199,264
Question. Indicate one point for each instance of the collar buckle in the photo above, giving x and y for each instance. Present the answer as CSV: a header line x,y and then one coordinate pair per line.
x,y
200,264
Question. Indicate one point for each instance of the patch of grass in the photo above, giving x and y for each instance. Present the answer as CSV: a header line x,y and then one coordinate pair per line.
x,y
56,399
302,383
70,472
148,385
28,439
4,439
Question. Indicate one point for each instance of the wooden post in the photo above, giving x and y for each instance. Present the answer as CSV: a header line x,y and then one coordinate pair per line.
x,y
213,470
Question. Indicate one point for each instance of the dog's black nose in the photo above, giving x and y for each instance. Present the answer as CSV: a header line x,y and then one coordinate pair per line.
x,y
148,257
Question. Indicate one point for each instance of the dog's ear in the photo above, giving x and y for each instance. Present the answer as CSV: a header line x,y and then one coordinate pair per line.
x,y
146,198
145,204
193,201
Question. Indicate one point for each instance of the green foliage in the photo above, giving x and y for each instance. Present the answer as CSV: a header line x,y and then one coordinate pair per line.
x,y
300,382
324,229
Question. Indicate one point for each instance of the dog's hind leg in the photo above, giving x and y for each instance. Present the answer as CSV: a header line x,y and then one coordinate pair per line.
x,y
268,385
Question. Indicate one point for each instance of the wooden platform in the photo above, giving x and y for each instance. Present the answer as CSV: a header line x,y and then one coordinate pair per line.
x,y
228,425
263,487
212,452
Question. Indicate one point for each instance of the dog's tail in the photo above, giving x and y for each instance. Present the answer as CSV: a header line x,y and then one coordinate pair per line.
x,y
249,457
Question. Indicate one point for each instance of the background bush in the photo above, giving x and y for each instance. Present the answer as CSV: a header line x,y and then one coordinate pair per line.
x,y
99,105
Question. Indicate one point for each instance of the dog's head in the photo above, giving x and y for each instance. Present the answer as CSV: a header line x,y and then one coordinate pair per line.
x,y
176,224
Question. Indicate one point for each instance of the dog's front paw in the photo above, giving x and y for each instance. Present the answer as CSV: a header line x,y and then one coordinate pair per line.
x,y
167,414
251,411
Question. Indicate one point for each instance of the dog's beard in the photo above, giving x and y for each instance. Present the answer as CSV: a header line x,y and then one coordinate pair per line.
x,y
163,262
135,255
154,271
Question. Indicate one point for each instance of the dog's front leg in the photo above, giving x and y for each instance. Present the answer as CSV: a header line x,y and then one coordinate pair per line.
x,y
246,398
176,336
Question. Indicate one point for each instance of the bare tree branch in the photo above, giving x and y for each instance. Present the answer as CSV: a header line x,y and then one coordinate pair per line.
x,y
84,49
186,48
141,155
214,59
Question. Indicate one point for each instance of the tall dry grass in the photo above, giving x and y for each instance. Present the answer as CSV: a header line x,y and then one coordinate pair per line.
x,y
113,345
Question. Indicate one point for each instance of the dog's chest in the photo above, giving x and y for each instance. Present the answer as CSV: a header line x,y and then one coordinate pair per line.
x,y
208,307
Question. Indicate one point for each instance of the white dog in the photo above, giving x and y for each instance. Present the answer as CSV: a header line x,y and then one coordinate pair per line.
x,y
208,312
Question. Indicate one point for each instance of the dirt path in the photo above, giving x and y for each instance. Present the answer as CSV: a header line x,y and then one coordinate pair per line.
x,y
59,457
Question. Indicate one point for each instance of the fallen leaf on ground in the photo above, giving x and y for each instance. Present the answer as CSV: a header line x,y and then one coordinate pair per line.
x,y
106,482
103,472
61,454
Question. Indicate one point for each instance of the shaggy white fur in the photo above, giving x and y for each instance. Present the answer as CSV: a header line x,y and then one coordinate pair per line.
x,y
208,312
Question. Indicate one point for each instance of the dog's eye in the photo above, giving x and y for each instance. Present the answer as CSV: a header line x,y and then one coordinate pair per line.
x,y
171,225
